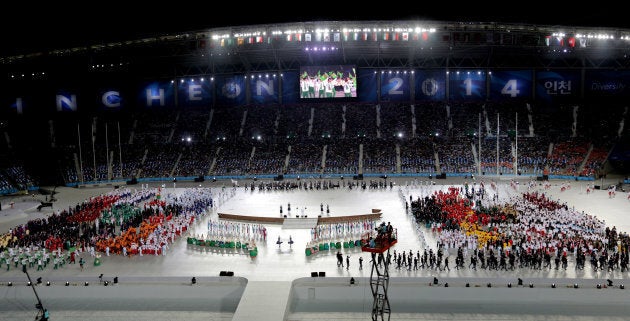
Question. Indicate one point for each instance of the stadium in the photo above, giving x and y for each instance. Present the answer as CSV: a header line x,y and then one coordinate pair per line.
x,y
204,135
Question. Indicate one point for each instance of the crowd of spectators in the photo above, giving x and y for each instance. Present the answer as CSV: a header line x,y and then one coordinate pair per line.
x,y
427,137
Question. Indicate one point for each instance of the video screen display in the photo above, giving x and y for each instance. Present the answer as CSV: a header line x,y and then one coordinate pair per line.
x,y
327,82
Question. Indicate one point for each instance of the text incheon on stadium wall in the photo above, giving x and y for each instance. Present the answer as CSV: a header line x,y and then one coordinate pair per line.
x,y
372,85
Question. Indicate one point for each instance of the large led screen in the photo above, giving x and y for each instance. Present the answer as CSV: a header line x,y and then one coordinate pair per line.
x,y
328,82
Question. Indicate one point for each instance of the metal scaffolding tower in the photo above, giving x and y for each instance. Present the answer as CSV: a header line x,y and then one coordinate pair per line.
x,y
379,277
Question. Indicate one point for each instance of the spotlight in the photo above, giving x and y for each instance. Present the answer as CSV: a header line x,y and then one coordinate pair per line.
x,y
610,282
599,286
29,283
553,285
10,283
520,281
489,285
47,283
67,283
509,285
446,285
106,283
575,286
620,286
193,280
86,283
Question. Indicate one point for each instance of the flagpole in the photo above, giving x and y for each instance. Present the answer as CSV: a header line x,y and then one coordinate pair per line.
x,y
479,139
120,151
107,152
93,150
497,144
80,156
516,160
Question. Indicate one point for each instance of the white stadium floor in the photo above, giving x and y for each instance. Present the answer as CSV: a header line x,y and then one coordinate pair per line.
x,y
277,284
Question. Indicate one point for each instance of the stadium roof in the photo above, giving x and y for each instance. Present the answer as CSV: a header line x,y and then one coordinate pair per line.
x,y
51,26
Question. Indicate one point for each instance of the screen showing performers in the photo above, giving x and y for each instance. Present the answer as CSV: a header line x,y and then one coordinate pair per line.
x,y
327,82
